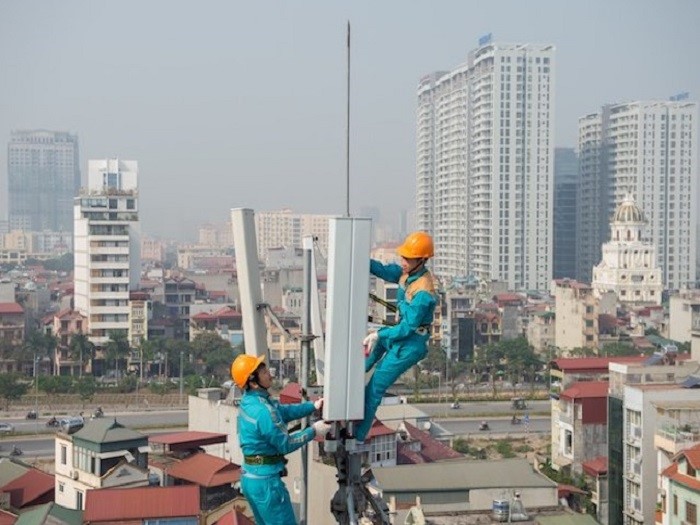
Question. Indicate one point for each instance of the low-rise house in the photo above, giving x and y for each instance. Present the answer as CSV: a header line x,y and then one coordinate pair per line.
x,y
680,488
103,454
22,486
579,425
596,472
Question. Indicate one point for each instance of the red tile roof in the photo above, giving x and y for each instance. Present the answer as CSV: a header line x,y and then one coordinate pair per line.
x,y
596,467
291,393
379,429
593,364
206,470
7,518
687,481
692,455
10,308
141,503
431,449
234,517
585,389
29,488
189,437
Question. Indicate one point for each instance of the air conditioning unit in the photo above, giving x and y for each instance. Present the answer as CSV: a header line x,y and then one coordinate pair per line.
x,y
74,474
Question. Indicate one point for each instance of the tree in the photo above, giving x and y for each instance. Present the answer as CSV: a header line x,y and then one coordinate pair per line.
x,y
12,388
216,353
117,348
39,345
618,349
82,350
86,387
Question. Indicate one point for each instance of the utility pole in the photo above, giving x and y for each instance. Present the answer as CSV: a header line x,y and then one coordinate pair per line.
x,y
36,394
181,383
347,137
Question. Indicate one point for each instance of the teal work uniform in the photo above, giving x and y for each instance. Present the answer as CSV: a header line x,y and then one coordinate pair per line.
x,y
262,432
401,346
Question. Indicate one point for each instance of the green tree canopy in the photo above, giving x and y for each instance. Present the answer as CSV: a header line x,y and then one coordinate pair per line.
x,y
12,388
87,388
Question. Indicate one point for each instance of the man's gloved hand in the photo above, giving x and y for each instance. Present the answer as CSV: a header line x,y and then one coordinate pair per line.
x,y
369,342
321,428
318,404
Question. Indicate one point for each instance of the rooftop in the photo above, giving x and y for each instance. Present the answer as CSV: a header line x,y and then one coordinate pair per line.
x,y
586,389
141,503
206,470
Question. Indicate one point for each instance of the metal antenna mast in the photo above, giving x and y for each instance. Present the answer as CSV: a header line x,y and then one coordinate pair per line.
x,y
347,138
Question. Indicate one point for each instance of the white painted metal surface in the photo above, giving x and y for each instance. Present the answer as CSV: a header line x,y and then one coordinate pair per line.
x,y
246,246
316,319
346,318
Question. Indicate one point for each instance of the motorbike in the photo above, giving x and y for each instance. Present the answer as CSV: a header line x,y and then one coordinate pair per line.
x,y
53,422
516,421
98,413
484,426
16,451
31,414
455,405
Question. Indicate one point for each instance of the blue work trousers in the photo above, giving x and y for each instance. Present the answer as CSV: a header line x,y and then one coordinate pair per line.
x,y
398,359
269,499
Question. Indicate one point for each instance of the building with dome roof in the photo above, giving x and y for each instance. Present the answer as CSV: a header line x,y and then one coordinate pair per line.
x,y
628,266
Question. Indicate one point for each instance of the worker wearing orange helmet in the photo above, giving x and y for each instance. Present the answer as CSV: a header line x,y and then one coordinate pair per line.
x,y
265,440
392,350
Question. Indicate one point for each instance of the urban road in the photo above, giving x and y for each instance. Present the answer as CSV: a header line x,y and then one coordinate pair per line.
x,y
33,437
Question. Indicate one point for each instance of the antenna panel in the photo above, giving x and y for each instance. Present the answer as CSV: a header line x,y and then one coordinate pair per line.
x,y
316,318
246,246
346,318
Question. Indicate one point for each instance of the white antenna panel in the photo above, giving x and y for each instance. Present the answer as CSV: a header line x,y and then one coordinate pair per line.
x,y
346,318
246,246
316,318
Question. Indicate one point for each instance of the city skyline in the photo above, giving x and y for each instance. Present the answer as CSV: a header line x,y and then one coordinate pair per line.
x,y
220,105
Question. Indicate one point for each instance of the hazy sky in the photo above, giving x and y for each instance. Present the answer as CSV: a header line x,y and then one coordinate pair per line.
x,y
227,103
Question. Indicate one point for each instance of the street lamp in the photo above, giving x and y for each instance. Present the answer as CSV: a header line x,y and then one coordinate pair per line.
x,y
36,394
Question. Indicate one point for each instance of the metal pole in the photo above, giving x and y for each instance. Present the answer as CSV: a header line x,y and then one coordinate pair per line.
x,y
305,346
36,395
181,385
347,138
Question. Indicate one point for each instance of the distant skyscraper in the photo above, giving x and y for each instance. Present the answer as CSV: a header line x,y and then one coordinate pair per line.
x,y
43,178
283,228
484,175
648,150
107,246
565,199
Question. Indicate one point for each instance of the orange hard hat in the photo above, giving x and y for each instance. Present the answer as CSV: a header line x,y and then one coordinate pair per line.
x,y
242,368
418,245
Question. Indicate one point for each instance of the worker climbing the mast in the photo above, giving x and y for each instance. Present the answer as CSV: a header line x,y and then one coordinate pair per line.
x,y
392,350
265,440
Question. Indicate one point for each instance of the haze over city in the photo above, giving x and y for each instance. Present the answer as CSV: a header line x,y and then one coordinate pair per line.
x,y
243,104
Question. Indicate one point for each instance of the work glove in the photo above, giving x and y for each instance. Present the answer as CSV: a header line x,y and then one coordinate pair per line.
x,y
318,404
321,428
370,342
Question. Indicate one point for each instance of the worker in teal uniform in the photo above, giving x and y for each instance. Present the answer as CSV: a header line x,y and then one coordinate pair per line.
x,y
265,440
392,350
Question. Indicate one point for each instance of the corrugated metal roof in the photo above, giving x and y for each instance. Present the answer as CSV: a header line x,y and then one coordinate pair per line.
x,y
596,466
585,389
9,470
457,475
189,438
10,308
49,513
29,487
141,503
206,470
7,518
235,518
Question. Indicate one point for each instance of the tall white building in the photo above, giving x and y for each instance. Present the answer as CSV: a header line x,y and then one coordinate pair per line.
x,y
628,267
647,149
283,228
107,246
485,173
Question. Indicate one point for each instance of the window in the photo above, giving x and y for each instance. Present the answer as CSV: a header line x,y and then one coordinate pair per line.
x,y
691,512
61,487
63,454
78,500
675,505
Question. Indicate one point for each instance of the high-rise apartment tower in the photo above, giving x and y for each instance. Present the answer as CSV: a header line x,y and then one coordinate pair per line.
x,y
484,174
43,178
107,246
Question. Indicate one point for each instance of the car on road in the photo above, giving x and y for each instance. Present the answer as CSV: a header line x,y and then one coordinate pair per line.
x,y
6,428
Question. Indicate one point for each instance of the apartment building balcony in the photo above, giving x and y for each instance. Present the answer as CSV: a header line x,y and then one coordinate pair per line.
x,y
108,265
675,439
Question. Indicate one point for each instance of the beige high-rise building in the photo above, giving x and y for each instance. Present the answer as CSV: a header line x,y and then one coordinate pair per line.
x,y
284,228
